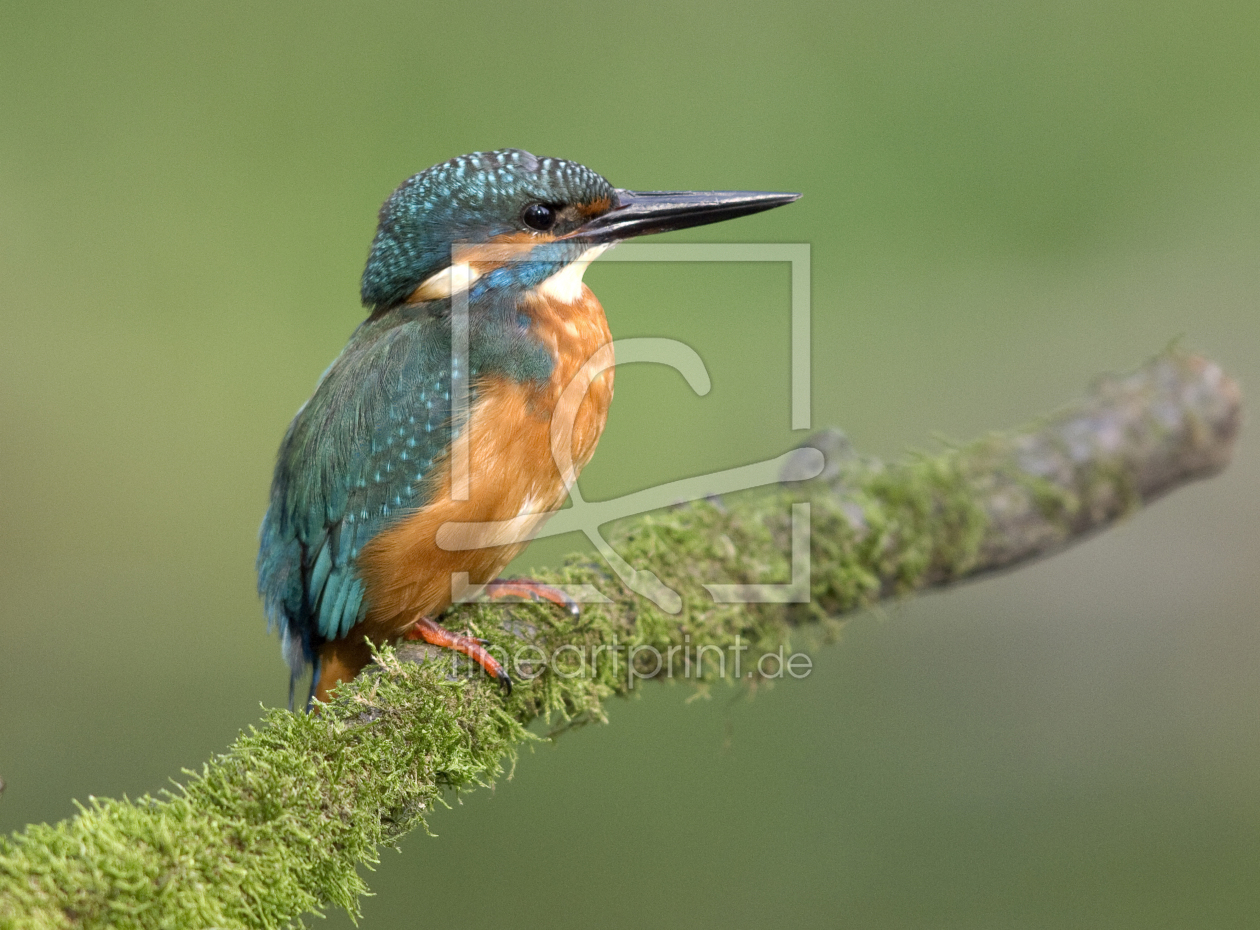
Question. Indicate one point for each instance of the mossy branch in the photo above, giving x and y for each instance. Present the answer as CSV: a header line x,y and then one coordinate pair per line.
x,y
275,827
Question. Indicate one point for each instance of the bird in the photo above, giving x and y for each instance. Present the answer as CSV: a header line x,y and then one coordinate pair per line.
x,y
490,248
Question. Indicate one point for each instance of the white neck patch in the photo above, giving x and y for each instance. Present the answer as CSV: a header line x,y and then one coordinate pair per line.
x,y
565,286
448,282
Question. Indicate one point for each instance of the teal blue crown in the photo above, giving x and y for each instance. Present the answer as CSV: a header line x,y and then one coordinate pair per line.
x,y
467,199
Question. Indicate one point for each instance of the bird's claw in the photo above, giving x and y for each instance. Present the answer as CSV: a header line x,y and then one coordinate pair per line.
x,y
534,591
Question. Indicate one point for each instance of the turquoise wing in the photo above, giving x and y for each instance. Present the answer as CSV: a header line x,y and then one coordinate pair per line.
x,y
354,460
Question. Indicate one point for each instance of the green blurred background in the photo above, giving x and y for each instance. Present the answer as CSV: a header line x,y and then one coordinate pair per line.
x,y
1002,200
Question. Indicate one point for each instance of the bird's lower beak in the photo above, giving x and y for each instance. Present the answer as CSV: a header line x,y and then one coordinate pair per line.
x,y
639,213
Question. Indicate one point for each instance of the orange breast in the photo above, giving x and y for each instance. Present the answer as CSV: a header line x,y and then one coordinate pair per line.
x,y
526,443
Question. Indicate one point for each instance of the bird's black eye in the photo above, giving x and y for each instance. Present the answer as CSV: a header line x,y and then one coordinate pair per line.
x,y
539,216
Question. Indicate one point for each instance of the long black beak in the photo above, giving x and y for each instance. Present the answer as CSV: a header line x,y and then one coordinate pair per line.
x,y
641,212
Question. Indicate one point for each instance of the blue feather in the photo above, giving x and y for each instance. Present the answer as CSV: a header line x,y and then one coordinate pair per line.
x,y
332,622
319,573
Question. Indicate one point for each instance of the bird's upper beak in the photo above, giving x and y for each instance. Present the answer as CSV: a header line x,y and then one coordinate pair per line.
x,y
641,212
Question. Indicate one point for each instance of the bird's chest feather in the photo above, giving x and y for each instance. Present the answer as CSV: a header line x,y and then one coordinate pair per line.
x,y
523,445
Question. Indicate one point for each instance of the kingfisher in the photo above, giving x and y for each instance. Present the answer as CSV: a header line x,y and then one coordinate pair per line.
x,y
486,253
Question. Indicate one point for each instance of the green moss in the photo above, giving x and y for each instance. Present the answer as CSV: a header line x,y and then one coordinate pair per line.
x,y
277,826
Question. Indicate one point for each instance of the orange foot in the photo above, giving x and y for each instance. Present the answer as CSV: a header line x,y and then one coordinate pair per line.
x,y
530,591
427,631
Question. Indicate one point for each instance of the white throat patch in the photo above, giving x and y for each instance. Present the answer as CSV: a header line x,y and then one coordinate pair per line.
x,y
565,286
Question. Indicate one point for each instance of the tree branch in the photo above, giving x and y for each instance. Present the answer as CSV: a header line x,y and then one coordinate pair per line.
x,y
276,826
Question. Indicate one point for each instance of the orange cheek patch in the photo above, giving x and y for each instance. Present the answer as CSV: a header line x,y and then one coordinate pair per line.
x,y
593,208
500,250
470,261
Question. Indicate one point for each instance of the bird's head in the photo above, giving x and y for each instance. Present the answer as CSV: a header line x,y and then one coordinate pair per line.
x,y
528,216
